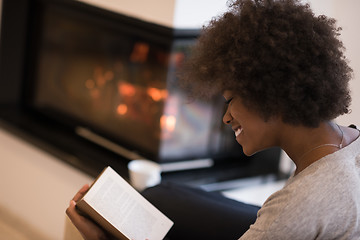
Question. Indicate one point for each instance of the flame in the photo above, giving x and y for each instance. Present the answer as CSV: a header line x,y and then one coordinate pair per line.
x,y
157,94
168,122
126,89
122,109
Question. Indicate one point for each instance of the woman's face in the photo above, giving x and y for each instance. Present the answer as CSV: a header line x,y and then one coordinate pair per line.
x,y
252,132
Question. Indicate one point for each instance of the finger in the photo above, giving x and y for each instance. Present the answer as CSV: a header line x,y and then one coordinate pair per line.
x,y
74,215
81,192
86,227
71,211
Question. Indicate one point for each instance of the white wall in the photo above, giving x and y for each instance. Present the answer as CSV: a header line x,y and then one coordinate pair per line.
x,y
158,11
346,12
194,14
35,186
174,13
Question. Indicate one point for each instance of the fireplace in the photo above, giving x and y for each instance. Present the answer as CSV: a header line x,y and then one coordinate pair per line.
x,y
99,88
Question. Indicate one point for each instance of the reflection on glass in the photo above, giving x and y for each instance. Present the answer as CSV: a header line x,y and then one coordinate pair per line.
x,y
122,83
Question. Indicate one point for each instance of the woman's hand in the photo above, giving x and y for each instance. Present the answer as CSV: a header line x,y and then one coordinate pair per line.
x,y
88,229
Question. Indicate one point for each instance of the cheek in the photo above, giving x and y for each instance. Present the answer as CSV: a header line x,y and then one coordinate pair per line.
x,y
247,142
253,140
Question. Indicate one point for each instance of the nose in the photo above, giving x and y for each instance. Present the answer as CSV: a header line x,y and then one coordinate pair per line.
x,y
227,118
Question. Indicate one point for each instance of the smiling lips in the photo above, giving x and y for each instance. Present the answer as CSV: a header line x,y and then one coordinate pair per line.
x,y
237,131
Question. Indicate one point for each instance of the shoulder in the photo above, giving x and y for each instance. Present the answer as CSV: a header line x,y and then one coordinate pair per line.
x,y
323,200
308,205
351,134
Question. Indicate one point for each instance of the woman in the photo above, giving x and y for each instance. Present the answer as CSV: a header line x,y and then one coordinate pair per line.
x,y
285,78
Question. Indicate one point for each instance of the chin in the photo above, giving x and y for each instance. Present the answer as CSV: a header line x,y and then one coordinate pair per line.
x,y
249,152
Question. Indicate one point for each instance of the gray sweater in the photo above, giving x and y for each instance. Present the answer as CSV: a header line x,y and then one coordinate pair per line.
x,y
321,202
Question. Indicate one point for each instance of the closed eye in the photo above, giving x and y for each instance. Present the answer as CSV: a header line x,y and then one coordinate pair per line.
x,y
228,101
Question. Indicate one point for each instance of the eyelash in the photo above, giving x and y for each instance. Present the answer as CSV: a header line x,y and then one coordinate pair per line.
x,y
228,101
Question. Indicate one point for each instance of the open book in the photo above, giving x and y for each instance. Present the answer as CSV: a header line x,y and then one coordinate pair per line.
x,y
121,210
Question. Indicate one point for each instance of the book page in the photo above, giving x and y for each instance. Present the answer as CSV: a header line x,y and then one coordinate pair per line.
x,y
126,209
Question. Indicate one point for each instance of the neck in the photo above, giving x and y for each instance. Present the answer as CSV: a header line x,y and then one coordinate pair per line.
x,y
307,145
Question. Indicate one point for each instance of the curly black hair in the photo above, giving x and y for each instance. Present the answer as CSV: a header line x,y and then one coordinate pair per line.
x,y
279,57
